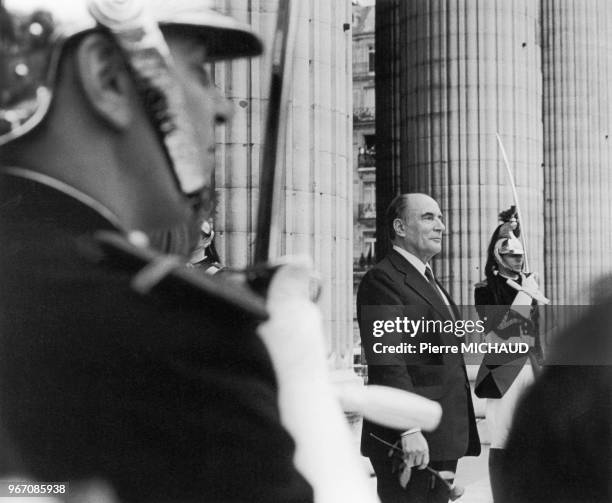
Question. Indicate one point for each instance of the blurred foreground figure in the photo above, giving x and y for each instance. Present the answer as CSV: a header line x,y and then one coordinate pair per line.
x,y
560,446
116,363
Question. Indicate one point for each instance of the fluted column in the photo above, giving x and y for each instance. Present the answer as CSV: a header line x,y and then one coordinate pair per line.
x,y
577,67
317,201
469,69
239,143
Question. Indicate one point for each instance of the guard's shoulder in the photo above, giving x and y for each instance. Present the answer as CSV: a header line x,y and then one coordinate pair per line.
x,y
481,284
152,271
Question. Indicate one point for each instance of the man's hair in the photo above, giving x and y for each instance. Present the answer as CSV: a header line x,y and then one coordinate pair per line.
x,y
394,210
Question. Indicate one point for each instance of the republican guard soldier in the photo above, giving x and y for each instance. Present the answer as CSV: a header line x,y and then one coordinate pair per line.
x,y
507,302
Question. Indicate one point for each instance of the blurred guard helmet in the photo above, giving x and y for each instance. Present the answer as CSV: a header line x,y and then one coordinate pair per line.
x,y
33,34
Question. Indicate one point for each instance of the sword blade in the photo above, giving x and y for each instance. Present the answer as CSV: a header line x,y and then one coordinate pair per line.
x,y
516,199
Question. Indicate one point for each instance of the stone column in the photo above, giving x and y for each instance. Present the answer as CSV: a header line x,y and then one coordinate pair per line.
x,y
317,200
577,68
469,69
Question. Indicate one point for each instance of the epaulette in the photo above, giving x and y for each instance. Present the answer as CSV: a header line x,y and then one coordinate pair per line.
x,y
481,284
150,268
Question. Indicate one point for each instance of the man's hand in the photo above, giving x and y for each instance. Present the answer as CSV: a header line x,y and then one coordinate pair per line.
x,y
416,450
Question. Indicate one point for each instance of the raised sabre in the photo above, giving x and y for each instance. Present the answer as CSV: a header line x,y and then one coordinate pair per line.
x,y
535,294
516,199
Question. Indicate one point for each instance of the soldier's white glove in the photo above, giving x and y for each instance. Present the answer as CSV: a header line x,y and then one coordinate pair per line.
x,y
326,453
522,304
528,290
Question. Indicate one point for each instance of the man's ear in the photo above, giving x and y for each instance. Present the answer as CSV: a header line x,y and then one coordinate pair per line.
x,y
105,80
398,227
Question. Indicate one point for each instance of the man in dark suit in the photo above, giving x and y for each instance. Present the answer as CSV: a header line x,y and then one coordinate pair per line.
x,y
403,282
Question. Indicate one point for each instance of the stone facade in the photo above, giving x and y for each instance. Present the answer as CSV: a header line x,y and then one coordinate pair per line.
x,y
316,206
364,136
364,153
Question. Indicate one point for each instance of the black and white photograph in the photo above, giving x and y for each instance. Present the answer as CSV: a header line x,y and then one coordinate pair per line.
x,y
296,251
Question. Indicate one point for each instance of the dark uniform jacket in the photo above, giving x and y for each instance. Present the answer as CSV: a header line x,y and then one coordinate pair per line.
x,y
169,395
441,377
493,298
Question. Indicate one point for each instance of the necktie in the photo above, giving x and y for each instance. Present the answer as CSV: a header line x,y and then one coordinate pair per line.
x,y
430,277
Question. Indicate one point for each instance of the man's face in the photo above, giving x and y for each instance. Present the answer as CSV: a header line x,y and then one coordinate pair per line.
x,y
419,231
514,262
205,105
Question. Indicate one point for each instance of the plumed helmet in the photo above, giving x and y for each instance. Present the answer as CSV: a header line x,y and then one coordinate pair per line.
x,y
33,34
508,243
504,241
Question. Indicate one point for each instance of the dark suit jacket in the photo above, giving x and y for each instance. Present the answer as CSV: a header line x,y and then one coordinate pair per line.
x,y
395,282
168,395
